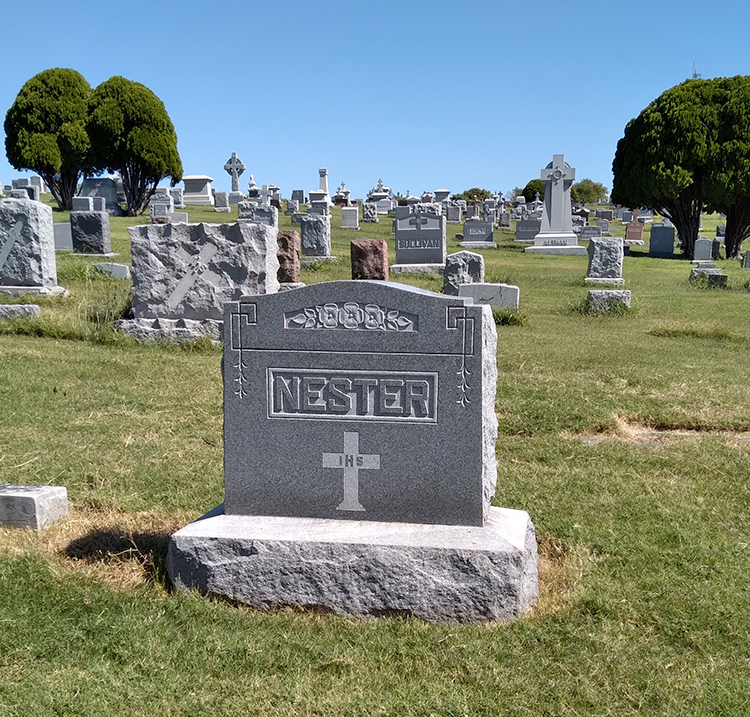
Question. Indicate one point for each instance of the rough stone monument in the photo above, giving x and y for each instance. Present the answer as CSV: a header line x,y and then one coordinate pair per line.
x,y
315,233
605,261
369,259
463,267
184,273
89,232
359,461
556,235
27,249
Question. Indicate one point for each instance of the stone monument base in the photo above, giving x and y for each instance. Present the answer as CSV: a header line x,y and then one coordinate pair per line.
x,y
32,506
33,290
611,282
19,311
223,210
91,255
570,249
440,573
436,269
289,285
478,244
176,330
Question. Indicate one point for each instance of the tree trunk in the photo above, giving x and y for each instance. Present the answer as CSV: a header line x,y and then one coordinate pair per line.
x,y
63,187
738,227
138,187
685,213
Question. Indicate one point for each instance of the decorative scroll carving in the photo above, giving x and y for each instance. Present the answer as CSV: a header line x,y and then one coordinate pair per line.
x,y
351,315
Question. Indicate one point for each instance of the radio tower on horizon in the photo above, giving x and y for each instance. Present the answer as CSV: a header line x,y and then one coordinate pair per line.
x,y
696,76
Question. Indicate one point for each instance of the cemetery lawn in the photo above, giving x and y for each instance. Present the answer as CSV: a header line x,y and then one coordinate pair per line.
x,y
626,437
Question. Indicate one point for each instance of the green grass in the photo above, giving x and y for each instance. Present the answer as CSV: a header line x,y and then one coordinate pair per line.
x,y
626,438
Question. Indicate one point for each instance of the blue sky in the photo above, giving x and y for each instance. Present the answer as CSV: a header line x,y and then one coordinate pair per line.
x,y
426,95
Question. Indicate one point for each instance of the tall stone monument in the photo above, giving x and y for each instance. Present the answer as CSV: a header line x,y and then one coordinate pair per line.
x,y
359,460
235,167
556,235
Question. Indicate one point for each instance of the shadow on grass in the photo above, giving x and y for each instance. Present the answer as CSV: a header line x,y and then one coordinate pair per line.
x,y
112,546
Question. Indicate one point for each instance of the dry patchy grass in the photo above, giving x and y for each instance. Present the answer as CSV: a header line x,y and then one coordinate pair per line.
x,y
119,550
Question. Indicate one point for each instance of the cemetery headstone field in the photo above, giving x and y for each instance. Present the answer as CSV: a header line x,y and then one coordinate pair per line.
x,y
624,434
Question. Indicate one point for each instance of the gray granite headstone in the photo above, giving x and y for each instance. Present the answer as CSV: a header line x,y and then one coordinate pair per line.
x,y
258,214
661,243
82,204
702,249
369,212
527,229
63,237
453,214
298,195
420,237
603,224
359,433
350,218
32,506
90,232
221,202
27,248
605,260
315,235
588,232
102,187
497,296
372,370
477,233
463,267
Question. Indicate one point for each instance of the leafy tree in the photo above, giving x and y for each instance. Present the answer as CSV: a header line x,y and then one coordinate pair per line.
x,y
131,133
45,130
727,184
532,188
663,159
470,194
587,191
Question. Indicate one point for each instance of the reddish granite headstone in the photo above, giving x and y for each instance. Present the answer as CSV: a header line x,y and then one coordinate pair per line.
x,y
369,259
634,229
288,253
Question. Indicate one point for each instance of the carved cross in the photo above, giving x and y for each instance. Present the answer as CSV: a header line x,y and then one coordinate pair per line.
x,y
352,462
196,266
235,167
418,221
13,236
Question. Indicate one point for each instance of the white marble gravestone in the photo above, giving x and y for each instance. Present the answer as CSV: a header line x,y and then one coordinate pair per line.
x,y
359,461
556,235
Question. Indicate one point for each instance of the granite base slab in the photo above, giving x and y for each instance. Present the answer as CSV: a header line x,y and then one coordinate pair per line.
x,y
19,311
174,330
439,573
611,282
289,285
478,244
91,255
433,269
32,506
574,250
33,290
